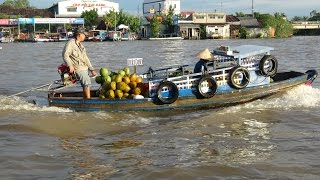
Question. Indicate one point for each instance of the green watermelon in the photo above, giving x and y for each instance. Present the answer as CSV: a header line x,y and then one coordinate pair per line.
x,y
104,72
99,79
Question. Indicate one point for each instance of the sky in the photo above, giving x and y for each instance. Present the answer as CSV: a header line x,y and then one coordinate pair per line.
x,y
290,8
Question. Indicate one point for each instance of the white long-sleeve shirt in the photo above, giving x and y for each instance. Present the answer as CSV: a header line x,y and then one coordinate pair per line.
x,y
75,55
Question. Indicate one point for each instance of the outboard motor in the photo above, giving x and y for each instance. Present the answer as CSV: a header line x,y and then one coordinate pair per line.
x,y
312,75
67,78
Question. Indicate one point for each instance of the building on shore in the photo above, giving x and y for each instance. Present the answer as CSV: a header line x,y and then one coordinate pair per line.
x,y
7,27
159,7
235,25
74,8
215,24
253,27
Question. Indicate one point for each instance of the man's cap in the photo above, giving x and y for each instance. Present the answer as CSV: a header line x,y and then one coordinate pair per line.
x,y
80,30
205,55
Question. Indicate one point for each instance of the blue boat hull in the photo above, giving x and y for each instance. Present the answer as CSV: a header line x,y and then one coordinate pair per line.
x,y
281,83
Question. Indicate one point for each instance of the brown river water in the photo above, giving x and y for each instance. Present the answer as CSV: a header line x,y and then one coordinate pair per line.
x,y
274,138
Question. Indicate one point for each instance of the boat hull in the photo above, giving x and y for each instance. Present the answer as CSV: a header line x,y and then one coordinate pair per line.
x,y
166,38
282,82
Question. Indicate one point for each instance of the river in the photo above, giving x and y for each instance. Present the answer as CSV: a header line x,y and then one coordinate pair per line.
x,y
275,138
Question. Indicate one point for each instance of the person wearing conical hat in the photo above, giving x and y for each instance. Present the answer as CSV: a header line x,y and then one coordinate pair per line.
x,y
205,56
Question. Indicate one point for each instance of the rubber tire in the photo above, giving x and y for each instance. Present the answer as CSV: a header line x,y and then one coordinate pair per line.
x,y
167,100
213,87
246,80
274,68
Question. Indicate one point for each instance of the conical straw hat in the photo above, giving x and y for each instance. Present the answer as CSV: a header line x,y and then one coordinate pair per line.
x,y
205,54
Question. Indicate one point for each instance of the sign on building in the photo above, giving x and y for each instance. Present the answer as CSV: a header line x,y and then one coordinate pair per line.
x,y
51,21
152,10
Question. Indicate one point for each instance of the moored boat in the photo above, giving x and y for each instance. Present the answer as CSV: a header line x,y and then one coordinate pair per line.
x,y
240,75
167,37
97,35
49,37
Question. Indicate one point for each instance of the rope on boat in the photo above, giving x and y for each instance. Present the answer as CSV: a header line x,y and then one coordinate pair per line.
x,y
247,78
34,88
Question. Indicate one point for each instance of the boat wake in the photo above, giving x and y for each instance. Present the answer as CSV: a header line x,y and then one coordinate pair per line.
x,y
299,97
303,96
26,104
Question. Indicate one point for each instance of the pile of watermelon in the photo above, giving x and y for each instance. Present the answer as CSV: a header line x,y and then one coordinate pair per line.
x,y
119,85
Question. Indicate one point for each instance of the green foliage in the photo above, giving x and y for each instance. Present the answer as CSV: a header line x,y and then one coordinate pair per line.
x,y
313,13
240,14
68,27
122,17
297,18
203,32
283,28
243,33
267,20
155,27
42,27
112,19
4,16
8,3
132,21
169,19
17,3
314,16
90,17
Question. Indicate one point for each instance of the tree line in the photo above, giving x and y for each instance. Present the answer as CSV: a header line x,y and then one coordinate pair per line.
x,y
12,9
277,21
110,20
314,16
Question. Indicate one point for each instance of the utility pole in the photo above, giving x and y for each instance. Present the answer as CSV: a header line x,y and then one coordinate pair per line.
x,y
115,20
252,9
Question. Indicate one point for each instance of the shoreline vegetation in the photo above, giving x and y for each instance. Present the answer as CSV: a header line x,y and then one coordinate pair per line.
x,y
272,26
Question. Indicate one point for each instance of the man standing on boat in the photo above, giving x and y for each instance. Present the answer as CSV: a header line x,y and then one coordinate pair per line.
x,y
205,56
75,56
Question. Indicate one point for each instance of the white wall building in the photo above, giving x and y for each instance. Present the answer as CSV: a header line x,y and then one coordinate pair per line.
x,y
74,8
156,7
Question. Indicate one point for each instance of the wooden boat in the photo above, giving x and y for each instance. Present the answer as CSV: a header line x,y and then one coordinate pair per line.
x,y
97,35
6,35
223,84
167,37
49,37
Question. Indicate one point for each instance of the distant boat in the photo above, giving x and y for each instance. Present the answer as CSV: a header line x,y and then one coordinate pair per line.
x,y
6,39
113,36
168,37
97,35
128,36
50,37
6,36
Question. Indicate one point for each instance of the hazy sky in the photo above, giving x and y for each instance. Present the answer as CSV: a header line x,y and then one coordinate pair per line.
x,y
289,7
